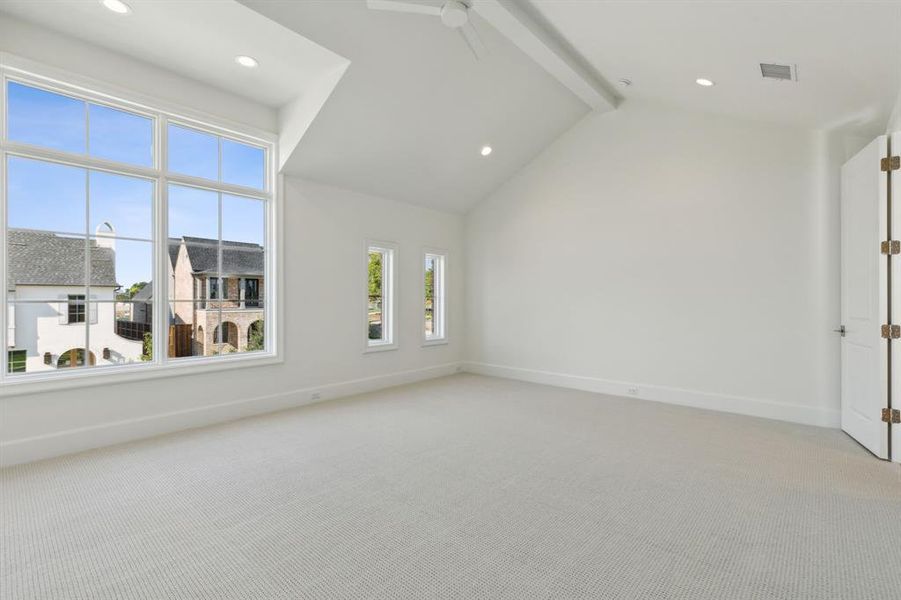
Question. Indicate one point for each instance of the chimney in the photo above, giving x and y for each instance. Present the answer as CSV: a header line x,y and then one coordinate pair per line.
x,y
106,236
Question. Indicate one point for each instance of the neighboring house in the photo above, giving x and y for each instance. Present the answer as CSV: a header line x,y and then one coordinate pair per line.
x,y
48,309
199,293
142,311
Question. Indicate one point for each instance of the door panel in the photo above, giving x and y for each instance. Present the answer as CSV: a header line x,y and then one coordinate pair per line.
x,y
864,214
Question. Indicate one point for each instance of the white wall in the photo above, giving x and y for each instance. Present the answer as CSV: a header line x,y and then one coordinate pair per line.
x,y
689,256
323,329
48,48
895,120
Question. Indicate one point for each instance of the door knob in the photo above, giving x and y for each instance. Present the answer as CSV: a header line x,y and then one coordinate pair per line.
x,y
841,331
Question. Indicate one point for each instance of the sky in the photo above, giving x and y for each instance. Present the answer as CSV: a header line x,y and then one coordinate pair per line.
x,y
75,201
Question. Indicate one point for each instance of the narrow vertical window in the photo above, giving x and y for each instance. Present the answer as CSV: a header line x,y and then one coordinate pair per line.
x,y
380,297
434,298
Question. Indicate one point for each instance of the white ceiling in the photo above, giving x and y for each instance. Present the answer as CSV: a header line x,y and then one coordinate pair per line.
x,y
414,108
411,112
194,38
848,55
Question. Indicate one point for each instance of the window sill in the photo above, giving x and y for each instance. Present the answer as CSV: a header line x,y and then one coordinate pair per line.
x,y
112,375
435,342
379,348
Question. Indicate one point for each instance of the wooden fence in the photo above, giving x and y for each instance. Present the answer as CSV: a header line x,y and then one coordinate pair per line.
x,y
181,340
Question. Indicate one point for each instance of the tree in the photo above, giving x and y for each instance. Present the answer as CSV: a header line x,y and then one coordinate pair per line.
x,y
375,273
430,283
129,293
147,353
255,337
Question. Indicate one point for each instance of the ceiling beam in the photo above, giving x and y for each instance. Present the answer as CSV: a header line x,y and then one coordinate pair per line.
x,y
542,46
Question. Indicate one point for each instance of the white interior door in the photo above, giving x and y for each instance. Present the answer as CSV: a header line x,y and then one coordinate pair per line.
x,y
895,148
864,216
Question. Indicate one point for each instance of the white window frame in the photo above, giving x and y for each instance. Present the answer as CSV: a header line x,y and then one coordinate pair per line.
x,y
29,73
439,305
389,296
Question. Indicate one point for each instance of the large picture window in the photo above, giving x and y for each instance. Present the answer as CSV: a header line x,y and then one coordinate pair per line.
x,y
134,239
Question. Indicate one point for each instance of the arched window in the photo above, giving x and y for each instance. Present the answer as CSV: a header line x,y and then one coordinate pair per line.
x,y
255,340
74,358
225,337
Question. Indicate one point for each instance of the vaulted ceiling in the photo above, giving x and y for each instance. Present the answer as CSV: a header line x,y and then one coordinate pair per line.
x,y
413,110
848,55
408,117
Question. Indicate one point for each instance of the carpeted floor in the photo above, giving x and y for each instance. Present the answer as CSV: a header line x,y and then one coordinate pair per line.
x,y
462,487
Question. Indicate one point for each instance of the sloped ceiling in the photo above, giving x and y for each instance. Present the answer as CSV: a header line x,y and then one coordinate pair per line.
x,y
848,55
414,108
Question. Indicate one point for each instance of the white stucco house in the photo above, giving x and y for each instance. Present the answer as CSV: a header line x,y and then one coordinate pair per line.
x,y
48,310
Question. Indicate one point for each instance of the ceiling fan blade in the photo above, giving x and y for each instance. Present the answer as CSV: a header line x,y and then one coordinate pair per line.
x,y
407,7
473,40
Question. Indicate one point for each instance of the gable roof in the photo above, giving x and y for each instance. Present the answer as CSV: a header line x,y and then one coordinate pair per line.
x,y
174,245
238,258
43,258
145,293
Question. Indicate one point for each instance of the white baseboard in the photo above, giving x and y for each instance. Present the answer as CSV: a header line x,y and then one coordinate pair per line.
x,y
755,407
106,434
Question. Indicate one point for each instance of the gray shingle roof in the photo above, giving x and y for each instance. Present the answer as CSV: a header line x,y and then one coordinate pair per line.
x,y
238,258
41,258
174,244
145,293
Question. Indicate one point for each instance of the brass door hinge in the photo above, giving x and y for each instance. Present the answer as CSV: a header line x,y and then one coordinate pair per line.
x,y
891,415
892,163
891,332
890,247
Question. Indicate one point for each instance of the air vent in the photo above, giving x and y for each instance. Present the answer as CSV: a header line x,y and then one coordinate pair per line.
x,y
780,72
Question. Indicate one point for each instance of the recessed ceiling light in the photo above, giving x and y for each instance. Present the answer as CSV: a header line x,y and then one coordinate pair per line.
x,y
117,6
246,61
704,82
486,150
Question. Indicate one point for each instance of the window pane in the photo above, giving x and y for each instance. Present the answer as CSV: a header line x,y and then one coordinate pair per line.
x,y
134,322
252,337
429,296
46,196
43,331
376,296
112,342
45,266
243,164
45,119
243,263
193,153
252,293
121,136
15,362
191,329
121,206
193,213
243,220
132,269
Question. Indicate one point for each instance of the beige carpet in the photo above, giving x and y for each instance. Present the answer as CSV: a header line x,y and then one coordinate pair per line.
x,y
462,487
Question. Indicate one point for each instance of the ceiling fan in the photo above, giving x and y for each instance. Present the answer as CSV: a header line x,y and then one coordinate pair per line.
x,y
453,13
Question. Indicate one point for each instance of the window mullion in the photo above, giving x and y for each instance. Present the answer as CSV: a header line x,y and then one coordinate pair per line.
x,y
161,281
77,160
